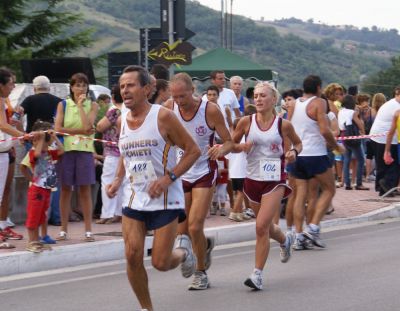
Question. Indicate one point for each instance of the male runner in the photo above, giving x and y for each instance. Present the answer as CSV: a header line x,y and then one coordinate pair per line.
x,y
201,119
155,200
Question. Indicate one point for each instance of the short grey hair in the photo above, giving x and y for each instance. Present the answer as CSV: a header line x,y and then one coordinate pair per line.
x,y
236,78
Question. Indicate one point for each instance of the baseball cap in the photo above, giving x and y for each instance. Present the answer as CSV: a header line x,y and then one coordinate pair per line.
x,y
41,82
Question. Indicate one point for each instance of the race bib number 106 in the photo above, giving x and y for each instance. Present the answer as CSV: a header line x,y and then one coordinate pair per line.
x,y
270,169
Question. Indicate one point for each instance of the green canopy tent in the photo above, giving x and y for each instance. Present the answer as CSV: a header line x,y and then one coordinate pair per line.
x,y
232,64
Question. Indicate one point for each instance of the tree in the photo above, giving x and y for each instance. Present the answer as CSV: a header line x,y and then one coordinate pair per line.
x,y
385,80
36,29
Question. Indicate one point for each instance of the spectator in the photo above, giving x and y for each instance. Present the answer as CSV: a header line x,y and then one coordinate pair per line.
x,y
43,106
76,116
112,207
387,175
159,71
7,84
38,167
236,84
349,117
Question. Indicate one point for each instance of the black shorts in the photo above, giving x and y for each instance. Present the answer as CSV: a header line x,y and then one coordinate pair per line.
x,y
237,184
155,219
308,167
370,152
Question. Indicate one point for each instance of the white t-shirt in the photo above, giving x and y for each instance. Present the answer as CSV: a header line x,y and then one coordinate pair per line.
x,y
345,117
383,121
227,98
237,164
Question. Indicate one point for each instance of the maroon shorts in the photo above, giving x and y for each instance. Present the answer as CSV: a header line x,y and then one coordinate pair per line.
x,y
38,203
254,189
206,181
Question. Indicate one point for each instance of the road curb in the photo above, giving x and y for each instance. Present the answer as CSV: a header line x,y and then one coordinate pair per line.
x,y
102,251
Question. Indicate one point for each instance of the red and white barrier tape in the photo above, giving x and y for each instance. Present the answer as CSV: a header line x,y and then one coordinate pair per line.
x,y
79,137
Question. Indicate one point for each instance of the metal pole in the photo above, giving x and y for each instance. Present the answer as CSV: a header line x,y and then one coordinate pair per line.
x,y
226,24
231,25
171,30
222,23
146,48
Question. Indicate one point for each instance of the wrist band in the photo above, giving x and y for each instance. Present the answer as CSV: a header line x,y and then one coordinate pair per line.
x,y
295,151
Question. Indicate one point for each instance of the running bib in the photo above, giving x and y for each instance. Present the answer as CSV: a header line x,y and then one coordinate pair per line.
x,y
141,174
270,169
221,165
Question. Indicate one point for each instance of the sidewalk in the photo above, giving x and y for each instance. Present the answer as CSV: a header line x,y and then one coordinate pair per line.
x,y
350,206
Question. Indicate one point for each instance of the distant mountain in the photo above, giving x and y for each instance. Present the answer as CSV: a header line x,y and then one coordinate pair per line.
x,y
291,47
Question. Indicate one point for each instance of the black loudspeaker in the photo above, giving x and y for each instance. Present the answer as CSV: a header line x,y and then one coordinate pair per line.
x,y
116,64
58,70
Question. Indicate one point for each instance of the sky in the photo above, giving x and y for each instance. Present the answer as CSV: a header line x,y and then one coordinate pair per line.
x,y
383,13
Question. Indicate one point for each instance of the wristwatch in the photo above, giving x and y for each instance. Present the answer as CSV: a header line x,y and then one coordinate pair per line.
x,y
172,176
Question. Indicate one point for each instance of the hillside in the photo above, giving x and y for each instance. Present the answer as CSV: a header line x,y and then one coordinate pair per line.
x,y
116,24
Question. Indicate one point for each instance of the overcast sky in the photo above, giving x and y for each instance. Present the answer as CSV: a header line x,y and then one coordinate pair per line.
x,y
382,13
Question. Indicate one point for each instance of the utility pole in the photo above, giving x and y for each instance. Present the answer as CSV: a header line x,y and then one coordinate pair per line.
x,y
171,29
222,24
226,24
231,27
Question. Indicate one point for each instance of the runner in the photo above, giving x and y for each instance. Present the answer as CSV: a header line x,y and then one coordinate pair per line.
x,y
155,200
265,183
201,118
311,124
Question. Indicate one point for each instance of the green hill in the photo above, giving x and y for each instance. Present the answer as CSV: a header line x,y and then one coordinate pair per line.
x,y
292,51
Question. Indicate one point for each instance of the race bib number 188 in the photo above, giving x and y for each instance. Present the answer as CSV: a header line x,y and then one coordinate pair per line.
x,y
141,172
270,169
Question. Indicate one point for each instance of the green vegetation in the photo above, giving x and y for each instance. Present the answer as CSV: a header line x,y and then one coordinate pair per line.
x,y
385,80
34,29
291,47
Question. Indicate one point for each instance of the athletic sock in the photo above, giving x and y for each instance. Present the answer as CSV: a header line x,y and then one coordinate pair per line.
x,y
257,271
299,236
289,228
314,228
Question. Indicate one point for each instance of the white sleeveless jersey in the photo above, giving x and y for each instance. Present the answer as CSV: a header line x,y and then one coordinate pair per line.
x,y
203,135
307,129
266,144
142,148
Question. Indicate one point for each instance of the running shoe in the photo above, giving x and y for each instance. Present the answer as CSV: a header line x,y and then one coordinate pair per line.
x,y
62,236
286,248
188,266
200,281
255,280
314,237
11,235
210,247
250,212
34,247
222,211
245,216
235,216
89,237
47,240
213,210
10,223
304,244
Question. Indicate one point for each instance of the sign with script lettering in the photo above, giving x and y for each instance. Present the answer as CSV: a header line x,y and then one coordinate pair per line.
x,y
180,53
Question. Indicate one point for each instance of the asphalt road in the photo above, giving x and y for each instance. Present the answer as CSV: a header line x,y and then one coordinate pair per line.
x,y
360,270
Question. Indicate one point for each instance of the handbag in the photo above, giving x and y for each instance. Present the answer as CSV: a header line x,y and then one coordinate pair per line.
x,y
351,130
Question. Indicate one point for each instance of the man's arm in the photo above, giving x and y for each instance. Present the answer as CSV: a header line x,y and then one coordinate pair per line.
x,y
290,134
216,119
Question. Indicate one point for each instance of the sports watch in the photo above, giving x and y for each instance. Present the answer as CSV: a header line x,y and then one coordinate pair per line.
x,y
172,176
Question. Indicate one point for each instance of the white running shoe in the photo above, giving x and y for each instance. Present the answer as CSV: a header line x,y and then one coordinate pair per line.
x,y
188,266
200,281
10,223
255,280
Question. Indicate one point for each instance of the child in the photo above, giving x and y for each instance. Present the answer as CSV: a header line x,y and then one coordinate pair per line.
x,y
219,198
38,167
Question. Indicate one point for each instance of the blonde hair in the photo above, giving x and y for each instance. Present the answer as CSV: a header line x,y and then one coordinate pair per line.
x,y
184,78
330,90
378,100
272,89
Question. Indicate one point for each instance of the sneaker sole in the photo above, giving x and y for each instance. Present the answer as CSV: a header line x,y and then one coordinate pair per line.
x,y
199,288
250,284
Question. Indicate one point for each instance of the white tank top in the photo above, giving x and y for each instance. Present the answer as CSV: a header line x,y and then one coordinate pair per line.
x,y
203,135
308,130
267,144
142,148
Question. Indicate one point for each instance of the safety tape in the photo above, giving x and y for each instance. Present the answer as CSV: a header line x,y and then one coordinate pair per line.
x,y
79,137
